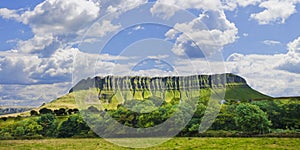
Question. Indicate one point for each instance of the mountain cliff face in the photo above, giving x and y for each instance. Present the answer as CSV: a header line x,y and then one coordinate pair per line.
x,y
113,91
137,83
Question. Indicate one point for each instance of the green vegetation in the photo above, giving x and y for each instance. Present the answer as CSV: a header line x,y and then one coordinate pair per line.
x,y
278,118
243,93
250,118
243,112
176,143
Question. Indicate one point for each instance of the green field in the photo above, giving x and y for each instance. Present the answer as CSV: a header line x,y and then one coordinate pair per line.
x,y
177,143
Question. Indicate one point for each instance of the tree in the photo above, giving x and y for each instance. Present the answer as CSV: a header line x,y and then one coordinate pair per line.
x,y
74,125
19,131
250,118
70,111
75,110
49,124
60,112
45,111
34,113
4,118
28,127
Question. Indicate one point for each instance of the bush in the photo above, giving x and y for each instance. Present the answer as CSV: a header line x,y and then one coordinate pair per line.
x,y
250,118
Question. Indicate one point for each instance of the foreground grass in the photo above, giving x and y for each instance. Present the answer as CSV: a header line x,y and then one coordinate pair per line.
x,y
177,143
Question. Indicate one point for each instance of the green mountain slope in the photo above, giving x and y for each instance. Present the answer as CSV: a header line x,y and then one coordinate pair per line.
x,y
236,89
102,89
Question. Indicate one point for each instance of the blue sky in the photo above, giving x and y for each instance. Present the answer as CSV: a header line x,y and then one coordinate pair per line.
x,y
51,44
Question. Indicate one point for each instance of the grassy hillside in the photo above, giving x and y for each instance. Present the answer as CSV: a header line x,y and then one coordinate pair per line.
x,y
233,93
67,101
243,93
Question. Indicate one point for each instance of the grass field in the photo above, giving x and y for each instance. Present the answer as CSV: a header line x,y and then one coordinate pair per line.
x,y
176,143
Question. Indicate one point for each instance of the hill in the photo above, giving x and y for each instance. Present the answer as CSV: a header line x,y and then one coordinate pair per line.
x,y
109,88
167,88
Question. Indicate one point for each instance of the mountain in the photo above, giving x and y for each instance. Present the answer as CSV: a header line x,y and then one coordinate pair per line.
x,y
112,90
109,88
236,87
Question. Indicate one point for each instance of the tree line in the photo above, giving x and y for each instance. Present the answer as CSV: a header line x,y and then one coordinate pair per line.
x,y
235,119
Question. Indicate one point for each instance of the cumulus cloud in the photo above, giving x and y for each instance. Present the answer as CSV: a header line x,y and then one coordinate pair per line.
x,y
294,46
280,73
54,23
61,16
291,61
7,14
120,6
209,32
26,69
167,8
31,80
205,34
276,11
101,29
233,4
31,95
262,74
16,69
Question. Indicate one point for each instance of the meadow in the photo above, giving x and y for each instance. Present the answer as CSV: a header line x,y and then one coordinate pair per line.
x,y
176,143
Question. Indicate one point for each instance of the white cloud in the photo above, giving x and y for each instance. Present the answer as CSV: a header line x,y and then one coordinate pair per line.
x,y
291,61
61,16
233,4
210,31
276,75
100,30
138,28
276,11
54,23
121,6
245,3
19,68
271,42
235,57
262,74
33,95
7,14
159,57
16,69
36,44
167,8
294,46
58,23
245,34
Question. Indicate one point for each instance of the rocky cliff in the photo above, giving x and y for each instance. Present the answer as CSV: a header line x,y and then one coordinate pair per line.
x,y
137,83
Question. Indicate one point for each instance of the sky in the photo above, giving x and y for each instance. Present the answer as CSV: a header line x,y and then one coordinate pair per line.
x,y
47,46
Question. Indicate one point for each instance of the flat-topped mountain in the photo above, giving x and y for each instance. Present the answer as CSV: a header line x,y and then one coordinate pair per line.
x,y
140,87
167,88
160,83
